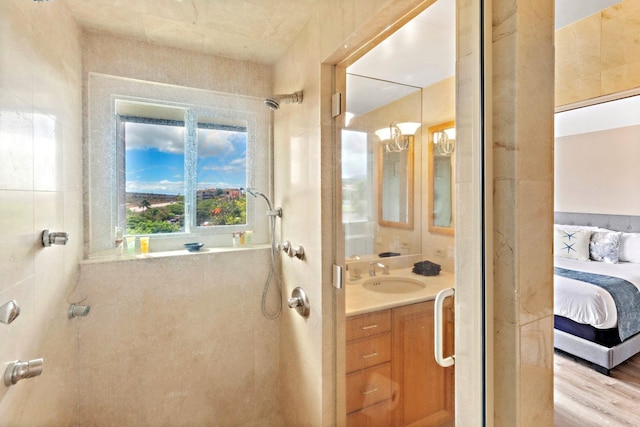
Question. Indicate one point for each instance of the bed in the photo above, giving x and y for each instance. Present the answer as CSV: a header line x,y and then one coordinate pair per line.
x,y
587,322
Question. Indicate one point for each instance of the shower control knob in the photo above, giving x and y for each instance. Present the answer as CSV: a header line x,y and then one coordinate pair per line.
x,y
9,311
19,370
54,238
297,252
299,301
288,248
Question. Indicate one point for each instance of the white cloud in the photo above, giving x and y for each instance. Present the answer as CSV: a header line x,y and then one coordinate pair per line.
x,y
160,187
166,139
215,143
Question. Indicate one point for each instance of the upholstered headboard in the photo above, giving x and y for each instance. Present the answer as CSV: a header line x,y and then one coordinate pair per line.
x,y
626,223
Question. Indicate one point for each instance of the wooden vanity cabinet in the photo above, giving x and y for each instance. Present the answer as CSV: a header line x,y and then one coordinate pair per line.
x,y
425,389
369,369
392,377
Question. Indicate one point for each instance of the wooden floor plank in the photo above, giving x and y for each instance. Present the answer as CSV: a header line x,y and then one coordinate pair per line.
x,y
584,397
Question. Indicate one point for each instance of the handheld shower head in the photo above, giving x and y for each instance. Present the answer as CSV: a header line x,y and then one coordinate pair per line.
x,y
271,211
273,102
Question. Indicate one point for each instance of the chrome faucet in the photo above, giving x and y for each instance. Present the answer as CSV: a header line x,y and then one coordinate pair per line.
x,y
373,265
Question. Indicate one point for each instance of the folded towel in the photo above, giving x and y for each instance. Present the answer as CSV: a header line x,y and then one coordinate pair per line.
x,y
388,254
426,268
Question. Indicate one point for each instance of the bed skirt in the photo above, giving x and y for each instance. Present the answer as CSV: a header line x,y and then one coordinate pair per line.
x,y
605,337
604,358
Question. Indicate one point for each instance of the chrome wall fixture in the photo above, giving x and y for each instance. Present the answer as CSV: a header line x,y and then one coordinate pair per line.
x,y
76,310
19,370
273,102
395,138
444,141
9,311
300,302
54,238
291,251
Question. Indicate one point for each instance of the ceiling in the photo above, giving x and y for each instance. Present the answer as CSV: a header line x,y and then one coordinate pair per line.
x,y
419,54
251,30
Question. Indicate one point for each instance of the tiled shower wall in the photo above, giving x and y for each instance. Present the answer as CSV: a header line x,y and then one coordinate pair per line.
x,y
40,187
179,341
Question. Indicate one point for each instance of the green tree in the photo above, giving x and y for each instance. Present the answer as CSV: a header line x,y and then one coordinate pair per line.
x,y
144,204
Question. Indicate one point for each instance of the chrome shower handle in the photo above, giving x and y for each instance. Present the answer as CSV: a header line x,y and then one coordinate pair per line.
x,y
299,301
9,311
54,238
288,248
19,370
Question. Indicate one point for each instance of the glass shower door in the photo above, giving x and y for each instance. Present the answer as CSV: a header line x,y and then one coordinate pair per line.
x,y
395,269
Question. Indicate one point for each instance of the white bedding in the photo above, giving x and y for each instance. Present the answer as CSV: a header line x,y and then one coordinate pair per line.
x,y
585,303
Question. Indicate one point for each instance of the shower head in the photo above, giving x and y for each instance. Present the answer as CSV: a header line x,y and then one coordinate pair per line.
x,y
271,211
273,102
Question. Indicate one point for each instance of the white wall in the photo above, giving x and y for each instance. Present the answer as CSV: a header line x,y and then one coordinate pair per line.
x,y
596,151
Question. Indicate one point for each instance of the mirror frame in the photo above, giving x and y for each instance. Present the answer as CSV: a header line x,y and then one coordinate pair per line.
x,y
410,178
449,231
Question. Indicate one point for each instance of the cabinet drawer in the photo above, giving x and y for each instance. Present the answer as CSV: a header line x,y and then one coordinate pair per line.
x,y
368,387
378,415
368,324
368,352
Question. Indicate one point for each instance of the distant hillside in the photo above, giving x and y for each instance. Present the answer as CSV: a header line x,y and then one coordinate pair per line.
x,y
153,199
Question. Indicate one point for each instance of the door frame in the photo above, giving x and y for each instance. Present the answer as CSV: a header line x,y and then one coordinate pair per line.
x,y
473,243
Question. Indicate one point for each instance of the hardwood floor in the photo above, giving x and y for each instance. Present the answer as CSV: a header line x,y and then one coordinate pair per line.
x,y
585,398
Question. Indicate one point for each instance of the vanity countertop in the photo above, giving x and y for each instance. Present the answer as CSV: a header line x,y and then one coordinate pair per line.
x,y
359,300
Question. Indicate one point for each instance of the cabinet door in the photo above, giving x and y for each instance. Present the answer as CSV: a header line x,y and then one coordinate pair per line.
x,y
425,394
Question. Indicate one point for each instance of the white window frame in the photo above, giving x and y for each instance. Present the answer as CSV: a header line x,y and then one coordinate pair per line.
x,y
101,173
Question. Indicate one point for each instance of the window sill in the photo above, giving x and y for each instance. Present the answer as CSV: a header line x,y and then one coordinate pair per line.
x,y
110,256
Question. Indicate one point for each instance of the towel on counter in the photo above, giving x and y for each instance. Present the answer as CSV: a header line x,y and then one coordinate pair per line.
x,y
426,268
388,254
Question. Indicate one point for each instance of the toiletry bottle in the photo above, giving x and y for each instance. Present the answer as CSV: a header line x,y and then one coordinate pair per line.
x,y
118,241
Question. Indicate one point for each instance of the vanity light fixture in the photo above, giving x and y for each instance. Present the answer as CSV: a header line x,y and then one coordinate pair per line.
x,y
444,141
396,137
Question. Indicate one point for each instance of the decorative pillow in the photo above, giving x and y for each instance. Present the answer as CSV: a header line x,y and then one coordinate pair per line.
x,y
629,248
573,244
565,227
604,246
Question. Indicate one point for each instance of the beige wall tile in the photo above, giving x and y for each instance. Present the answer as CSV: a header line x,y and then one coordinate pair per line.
x,y
39,95
536,373
199,312
598,55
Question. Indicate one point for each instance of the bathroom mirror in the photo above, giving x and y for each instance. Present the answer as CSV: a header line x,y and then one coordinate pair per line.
x,y
381,189
442,140
395,185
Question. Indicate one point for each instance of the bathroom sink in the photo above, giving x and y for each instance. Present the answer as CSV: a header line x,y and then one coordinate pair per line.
x,y
393,285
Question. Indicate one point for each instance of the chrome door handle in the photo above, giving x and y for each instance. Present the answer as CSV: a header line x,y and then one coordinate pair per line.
x,y
437,324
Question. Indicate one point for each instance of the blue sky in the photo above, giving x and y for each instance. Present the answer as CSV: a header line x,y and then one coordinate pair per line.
x,y
155,158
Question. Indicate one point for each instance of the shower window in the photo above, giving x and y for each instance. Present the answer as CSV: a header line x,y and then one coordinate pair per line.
x,y
173,162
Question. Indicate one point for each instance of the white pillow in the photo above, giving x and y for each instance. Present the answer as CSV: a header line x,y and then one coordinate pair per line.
x,y
573,244
565,227
629,248
605,246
